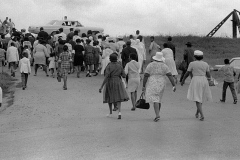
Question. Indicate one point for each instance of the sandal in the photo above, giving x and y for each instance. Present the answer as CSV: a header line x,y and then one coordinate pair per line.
x,y
196,115
115,109
156,119
133,109
201,119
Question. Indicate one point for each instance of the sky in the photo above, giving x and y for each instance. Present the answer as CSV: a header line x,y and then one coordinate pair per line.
x,y
124,17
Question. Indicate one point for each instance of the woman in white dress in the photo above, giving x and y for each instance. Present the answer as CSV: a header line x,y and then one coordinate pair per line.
x,y
105,57
141,53
132,69
199,90
169,61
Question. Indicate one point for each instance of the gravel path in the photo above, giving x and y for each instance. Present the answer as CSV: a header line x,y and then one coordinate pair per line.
x,y
48,123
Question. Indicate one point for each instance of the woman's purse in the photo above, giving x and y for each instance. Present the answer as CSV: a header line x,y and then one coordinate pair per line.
x,y
212,82
141,103
183,66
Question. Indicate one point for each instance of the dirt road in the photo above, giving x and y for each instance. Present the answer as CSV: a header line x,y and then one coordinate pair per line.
x,y
45,122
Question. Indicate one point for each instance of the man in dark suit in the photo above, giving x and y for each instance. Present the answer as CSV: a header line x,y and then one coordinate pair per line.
x,y
126,53
42,34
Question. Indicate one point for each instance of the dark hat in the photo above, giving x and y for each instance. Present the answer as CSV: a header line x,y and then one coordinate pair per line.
x,y
113,57
188,44
128,42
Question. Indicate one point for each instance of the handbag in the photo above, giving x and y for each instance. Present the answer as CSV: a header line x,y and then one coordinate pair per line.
x,y
141,103
212,82
183,66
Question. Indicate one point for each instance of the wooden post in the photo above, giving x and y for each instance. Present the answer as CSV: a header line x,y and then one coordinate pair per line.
x,y
234,24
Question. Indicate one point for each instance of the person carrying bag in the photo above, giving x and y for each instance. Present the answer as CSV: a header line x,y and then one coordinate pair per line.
x,y
141,103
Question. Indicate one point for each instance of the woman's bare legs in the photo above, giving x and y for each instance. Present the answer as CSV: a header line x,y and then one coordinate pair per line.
x,y
65,82
119,110
110,109
199,110
133,98
157,107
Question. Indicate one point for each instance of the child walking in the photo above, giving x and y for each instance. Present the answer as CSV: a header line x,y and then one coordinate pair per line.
x,y
25,69
229,73
52,62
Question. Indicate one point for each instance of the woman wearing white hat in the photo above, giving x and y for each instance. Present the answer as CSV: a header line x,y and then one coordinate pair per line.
x,y
199,90
154,82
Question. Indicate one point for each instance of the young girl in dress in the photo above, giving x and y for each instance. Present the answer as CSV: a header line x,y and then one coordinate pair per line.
x,y
52,63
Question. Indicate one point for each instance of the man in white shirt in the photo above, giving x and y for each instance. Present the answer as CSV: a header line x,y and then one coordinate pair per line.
x,y
12,58
64,36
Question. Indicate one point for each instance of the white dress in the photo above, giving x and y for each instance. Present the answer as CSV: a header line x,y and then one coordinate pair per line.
x,y
199,90
52,62
141,53
105,58
169,61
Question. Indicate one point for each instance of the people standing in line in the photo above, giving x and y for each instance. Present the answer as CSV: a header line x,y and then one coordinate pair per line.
x,y
126,53
12,58
88,58
78,51
229,73
40,53
114,91
153,48
188,57
132,70
169,61
171,46
70,35
25,69
154,82
96,57
65,59
199,90
42,34
105,57
52,62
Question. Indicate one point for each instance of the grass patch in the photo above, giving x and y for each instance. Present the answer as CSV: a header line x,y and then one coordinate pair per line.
x,y
5,82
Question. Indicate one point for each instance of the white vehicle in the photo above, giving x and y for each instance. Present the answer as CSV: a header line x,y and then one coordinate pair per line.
x,y
66,24
235,62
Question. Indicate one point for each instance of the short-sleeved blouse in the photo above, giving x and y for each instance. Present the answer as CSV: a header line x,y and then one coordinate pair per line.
x,y
198,68
157,68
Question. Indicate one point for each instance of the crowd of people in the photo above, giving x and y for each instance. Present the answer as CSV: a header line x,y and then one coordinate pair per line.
x,y
119,59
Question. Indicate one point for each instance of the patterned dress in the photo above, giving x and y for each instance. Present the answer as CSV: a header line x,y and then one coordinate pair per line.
x,y
88,56
65,62
156,82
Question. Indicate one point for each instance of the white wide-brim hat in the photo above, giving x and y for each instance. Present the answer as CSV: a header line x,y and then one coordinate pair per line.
x,y
198,53
159,57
